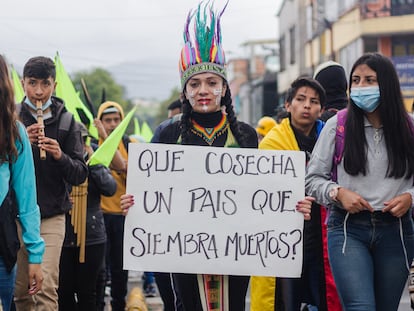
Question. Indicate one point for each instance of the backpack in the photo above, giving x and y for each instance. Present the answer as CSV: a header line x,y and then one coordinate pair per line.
x,y
339,143
9,240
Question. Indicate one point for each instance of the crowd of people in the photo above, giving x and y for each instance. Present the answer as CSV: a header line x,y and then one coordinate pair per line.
x,y
358,141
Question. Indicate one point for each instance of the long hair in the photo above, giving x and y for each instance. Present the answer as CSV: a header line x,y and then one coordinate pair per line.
x,y
226,101
397,124
8,128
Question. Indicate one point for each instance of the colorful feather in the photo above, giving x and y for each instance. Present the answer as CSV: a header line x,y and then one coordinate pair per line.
x,y
205,46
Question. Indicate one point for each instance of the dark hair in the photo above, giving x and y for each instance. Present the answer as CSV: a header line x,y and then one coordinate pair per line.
x,y
174,105
39,67
9,132
397,125
306,81
226,101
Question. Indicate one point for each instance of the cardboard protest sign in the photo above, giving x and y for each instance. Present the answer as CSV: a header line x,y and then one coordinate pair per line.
x,y
214,210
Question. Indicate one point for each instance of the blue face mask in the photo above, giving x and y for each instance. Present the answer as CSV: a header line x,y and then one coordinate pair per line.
x,y
31,105
367,98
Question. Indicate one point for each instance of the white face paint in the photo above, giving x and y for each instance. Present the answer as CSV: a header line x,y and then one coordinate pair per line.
x,y
218,92
191,96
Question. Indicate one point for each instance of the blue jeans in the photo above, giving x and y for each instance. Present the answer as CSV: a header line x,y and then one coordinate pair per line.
x,y
369,256
6,285
148,279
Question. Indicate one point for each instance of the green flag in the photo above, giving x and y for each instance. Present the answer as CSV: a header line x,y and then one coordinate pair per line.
x,y
73,103
104,154
18,89
137,131
146,132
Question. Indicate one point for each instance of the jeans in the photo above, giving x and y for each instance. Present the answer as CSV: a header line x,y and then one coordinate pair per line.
x,y
6,285
369,253
148,279
114,225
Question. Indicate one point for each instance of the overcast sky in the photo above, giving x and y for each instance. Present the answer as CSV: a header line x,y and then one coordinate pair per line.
x,y
146,34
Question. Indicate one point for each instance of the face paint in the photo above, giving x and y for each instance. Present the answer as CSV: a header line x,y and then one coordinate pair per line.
x,y
191,98
217,92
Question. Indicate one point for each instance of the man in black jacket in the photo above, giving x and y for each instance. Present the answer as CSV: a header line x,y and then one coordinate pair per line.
x,y
77,278
64,166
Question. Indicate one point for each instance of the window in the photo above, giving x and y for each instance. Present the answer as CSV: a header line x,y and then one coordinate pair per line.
x,y
292,37
309,25
403,45
370,45
402,7
282,53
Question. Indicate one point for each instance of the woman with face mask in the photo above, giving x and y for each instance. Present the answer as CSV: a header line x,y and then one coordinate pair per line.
x,y
370,228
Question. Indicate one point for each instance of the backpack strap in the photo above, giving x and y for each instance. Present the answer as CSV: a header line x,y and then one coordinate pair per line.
x,y
339,143
65,121
18,109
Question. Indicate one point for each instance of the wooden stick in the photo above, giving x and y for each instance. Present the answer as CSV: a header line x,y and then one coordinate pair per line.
x,y
82,232
39,112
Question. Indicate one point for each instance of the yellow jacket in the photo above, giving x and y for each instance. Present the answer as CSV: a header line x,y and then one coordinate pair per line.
x,y
263,289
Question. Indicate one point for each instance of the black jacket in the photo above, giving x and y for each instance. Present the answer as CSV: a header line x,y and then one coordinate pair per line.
x,y
53,178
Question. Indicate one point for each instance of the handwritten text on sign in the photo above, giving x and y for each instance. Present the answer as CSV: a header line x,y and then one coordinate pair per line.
x,y
214,210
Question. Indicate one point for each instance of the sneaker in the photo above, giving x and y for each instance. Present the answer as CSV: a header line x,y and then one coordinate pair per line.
x,y
150,291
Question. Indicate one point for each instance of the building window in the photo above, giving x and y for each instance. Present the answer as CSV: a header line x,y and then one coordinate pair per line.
x,y
282,53
370,45
292,45
403,46
375,8
309,22
402,7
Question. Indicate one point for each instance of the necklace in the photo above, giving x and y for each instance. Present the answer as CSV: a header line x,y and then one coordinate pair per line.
x,y
377,139
377,136
209,134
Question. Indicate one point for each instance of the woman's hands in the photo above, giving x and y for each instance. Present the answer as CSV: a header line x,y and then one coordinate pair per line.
x,y
35,278
304,206
352,202
127,200
398,205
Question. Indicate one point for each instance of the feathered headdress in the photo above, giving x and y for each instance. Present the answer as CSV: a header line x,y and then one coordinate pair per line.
x,y
205,53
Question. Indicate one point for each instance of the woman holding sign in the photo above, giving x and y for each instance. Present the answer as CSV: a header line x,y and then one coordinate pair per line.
x,y
208,119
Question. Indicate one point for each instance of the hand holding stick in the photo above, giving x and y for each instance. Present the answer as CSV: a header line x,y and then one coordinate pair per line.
x,y
39,112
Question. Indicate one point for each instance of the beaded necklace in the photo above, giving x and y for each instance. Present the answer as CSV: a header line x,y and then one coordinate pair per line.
x,y
209,134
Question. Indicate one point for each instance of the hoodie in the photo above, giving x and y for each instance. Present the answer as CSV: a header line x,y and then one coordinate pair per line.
x,y
331,76
112,204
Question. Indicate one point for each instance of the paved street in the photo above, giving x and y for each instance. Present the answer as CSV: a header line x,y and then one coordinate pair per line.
x,y
155,303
